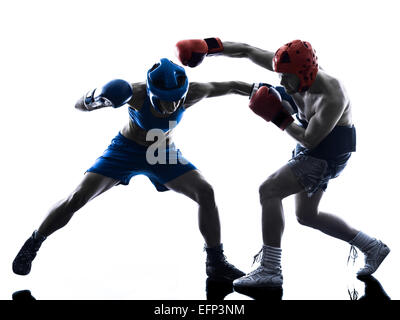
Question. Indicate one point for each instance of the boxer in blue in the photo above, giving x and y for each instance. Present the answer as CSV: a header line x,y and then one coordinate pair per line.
x,y
326,138
155,106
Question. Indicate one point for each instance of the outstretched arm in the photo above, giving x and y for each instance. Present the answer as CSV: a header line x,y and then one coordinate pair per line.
x,y
261,57
198,91
192,52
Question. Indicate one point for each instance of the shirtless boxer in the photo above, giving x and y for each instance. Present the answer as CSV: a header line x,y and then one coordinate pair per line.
x,y
326,138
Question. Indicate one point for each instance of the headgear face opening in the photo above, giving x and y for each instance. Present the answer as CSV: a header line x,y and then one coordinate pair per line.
x,y
299,58
166,81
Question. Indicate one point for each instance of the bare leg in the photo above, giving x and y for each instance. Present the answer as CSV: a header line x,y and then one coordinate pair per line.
x,y
308,214
268,275
193,185
278,186
92,185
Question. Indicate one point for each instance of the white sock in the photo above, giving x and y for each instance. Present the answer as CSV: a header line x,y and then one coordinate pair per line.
x,y
271,257
362,241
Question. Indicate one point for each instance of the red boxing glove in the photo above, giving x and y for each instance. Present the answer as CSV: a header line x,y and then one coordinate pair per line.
x,y
192,52
267,103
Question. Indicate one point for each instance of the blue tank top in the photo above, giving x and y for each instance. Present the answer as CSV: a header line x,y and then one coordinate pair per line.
x,y
145,119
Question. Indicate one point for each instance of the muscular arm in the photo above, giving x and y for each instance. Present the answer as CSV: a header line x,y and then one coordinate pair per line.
x,y
320,124
263,58
139,94
199,91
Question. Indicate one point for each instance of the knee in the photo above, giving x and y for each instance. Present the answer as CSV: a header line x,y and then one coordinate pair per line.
x,y
205,195
306,218
268,190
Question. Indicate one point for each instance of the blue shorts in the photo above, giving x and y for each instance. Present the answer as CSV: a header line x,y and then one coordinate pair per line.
x,y
124,159
314,173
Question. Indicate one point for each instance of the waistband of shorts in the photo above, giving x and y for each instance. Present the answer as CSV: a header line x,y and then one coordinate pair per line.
x,y
337,159
130,142
136,146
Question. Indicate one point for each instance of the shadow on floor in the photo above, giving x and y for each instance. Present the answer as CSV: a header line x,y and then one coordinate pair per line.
x,y
373,290
218,290
23,296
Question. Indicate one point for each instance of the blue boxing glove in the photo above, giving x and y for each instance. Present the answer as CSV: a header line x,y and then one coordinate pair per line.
x,y
287,98
113,94
257,86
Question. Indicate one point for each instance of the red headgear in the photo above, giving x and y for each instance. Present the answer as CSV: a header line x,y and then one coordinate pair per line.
x,y
299,58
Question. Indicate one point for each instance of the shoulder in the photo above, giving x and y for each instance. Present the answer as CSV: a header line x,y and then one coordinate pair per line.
x,y
139,94
335,92
196,92
197,87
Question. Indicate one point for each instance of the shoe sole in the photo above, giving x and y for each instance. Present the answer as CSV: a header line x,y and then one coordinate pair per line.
x,y
223,279
20,273
261,293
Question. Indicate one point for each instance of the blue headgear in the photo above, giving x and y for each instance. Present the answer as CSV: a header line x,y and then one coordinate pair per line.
x,y
166,81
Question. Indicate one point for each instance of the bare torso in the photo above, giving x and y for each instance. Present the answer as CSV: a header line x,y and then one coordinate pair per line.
x,y
309,103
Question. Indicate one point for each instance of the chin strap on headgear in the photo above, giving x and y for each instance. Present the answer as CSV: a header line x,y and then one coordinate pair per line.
x,y
166,81
299,58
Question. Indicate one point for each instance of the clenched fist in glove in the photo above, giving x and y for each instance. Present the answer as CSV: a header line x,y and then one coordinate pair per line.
x,y
192,52
267,103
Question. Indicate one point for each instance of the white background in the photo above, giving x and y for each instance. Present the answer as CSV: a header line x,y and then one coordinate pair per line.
x,y
136,243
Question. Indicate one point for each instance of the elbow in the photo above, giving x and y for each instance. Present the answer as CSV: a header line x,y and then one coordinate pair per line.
x,y
247,51
243,50
306,141
309,144
234,87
